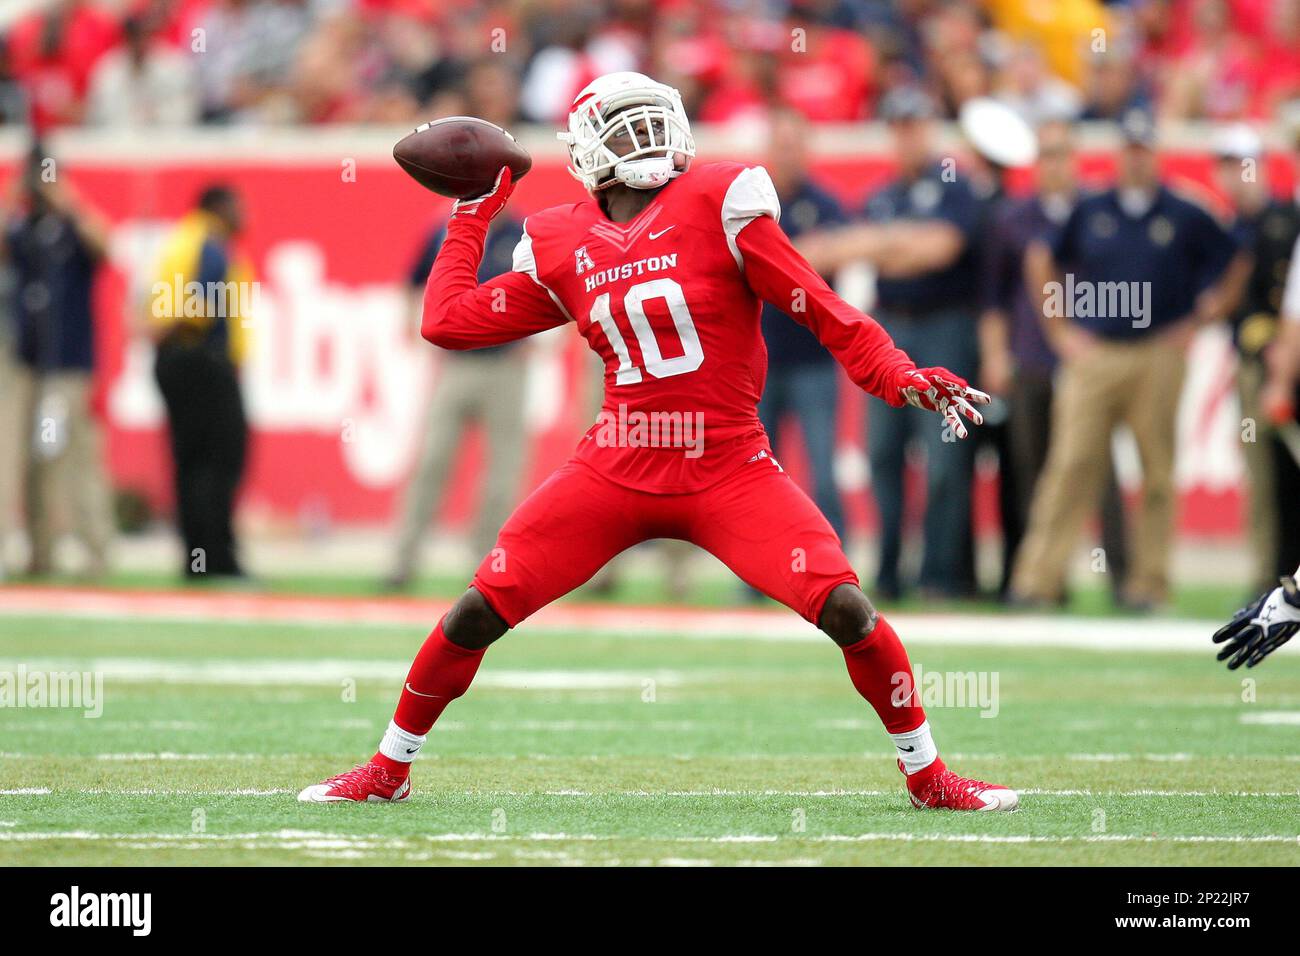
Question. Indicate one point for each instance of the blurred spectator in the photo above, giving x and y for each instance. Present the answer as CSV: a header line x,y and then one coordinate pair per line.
x,y
492,91
1034,92
1016,360
142,83
747,87
1000,141
56,244
200,312
1114,85
802,377
244,53
572,49
919,235
13,99
1268,230
830,77
483,387
1281,53
344,72
53,53
14,433
955,64
464,40
1126,281
1216,77
1064,29
1279,401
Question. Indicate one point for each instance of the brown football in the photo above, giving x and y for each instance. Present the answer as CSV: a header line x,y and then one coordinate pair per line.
x,y
460,156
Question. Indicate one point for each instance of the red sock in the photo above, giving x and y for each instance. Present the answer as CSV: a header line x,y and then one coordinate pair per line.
x,y
441,672
881,672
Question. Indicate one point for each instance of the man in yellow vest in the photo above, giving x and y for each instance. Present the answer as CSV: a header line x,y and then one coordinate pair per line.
x,y
199,310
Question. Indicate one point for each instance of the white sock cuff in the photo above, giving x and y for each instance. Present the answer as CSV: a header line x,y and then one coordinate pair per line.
x,y
916,748
400,745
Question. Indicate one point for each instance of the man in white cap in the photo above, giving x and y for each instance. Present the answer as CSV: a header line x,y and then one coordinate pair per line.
x,y
1266,229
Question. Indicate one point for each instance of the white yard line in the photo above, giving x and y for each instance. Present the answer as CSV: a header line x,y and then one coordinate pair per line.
x,y
143,756
1272,718
311,839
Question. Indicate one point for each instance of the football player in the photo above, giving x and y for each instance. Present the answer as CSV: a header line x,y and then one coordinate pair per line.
x,y
663,271
1262,626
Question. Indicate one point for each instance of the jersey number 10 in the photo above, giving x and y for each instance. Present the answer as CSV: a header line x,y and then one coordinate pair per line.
x,y
634,301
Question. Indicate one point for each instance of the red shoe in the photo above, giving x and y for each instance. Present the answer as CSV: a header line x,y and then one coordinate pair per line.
x,y
938,788
364,783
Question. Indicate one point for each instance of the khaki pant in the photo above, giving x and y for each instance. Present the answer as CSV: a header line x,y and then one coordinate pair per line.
x,y
1261,485
488,389
63,448
1137,384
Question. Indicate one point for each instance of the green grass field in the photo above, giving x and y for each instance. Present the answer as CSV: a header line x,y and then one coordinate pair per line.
x,y
597,748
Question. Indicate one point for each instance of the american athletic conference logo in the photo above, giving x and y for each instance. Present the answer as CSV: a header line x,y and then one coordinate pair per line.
x,y
582,260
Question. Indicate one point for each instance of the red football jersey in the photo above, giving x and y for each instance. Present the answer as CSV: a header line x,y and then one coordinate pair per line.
x,y
662,300
671,302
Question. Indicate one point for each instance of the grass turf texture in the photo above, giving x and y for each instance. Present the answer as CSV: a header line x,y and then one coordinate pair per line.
x,y
749,752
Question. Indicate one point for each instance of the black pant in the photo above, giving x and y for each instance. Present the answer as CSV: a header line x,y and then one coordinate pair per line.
x,y
209,438
1287,490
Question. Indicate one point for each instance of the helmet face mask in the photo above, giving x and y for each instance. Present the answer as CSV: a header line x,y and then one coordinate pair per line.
x,y
626,128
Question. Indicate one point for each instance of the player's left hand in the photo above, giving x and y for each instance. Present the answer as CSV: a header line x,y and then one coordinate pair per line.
x,y
1260,628
939,390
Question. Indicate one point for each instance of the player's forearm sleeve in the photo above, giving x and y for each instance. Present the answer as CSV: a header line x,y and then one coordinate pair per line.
x,y
459,313
779,275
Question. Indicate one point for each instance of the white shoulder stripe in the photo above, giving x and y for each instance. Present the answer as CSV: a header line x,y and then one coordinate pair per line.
x,y
523,259
750,195
525,262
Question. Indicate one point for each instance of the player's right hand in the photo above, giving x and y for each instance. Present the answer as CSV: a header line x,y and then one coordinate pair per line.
x,y
939,390
1261,627
486,207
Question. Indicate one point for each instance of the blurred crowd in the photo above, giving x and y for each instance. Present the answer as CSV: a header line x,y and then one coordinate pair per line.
x,y
132,63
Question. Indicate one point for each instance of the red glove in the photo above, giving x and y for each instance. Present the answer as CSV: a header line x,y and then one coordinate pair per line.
x,y
1278,402
486,207
939,390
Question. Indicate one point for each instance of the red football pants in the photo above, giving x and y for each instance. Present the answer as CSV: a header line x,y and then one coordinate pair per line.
x,y
756,521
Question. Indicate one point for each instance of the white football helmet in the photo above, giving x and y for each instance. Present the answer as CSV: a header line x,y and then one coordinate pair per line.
x,y
619,103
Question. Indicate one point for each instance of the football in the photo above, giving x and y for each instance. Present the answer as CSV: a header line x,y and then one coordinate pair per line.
x,y
460,156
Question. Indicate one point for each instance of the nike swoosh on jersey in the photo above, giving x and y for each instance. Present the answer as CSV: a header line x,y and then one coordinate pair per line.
x,y
656,235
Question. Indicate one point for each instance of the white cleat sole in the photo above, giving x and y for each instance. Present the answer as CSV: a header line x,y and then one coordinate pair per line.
x,y
320,793
1000,800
